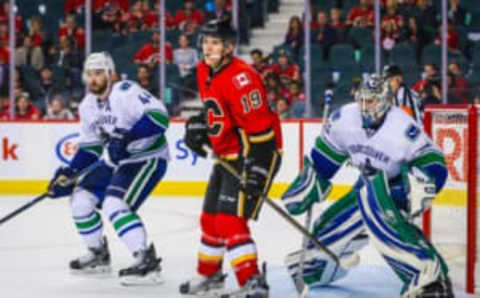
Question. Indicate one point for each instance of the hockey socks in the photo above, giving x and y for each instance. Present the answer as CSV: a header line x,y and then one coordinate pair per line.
x,y
126,223
87,220
212,247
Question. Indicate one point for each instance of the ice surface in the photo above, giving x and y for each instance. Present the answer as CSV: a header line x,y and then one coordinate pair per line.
x,y
37,245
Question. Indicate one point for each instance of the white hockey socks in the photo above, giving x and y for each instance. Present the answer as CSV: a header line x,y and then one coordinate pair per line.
x,y
87,220
126,223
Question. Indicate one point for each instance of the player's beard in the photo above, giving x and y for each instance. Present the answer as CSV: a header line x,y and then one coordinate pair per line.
x,y
97,89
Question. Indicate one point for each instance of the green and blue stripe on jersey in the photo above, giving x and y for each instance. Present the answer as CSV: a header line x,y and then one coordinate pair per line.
x,y
326,159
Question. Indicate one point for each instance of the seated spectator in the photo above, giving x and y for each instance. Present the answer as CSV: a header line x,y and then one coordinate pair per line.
x,y
324,34
394,18
145,80
149,53
295,93
36,32
47,87
336,19
281,107
294,37
74,33
431,93
151,16
459,86
453,40
4,36
56,110
189,19
286,70
361,15
29,55
25,109
74,6
430,71
259,63
411,32
390,35
107,13
4,17
134,19
457,13
426,15
67,56
186,58
4,108
218,9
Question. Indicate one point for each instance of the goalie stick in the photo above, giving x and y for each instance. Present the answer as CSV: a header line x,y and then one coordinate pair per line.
x,y
40,198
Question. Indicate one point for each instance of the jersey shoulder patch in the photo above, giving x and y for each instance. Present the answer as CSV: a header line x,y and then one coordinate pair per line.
x,y
412,132
125,85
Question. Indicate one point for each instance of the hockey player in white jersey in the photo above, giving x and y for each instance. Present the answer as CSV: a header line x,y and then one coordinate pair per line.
x,y
130,124
401,172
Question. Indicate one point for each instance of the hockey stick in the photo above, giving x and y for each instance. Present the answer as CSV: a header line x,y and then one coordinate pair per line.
x,y
73,180
300,283
282,213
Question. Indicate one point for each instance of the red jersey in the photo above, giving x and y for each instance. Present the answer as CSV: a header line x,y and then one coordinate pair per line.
x,y
236,108
77,33
148,53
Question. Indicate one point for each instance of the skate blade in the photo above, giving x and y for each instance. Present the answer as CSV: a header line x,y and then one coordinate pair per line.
x,y
212,293
92,271
151,279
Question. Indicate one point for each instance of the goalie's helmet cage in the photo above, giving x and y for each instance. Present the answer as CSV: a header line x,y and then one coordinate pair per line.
x,y
375,99
99,60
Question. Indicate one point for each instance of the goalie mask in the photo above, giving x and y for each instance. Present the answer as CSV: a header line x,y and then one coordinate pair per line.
x,y
374,99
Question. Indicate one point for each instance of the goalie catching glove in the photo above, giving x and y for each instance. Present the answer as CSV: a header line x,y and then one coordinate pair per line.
x,y
196,134
421,189
306,189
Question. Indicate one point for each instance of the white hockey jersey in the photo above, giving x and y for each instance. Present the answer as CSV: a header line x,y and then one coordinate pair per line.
x,y
398,141
126,105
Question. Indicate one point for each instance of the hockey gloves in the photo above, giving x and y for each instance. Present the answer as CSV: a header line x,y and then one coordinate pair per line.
x,y
421,189
256,177
306,189
117,146
196,134
60,185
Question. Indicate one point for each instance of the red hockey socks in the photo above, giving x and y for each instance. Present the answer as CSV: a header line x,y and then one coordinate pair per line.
x,y
212,247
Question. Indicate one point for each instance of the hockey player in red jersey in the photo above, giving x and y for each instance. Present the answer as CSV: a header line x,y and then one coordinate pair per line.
x,y
241,130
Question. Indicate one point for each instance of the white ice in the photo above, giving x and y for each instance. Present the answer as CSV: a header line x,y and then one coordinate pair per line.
x,y
37,245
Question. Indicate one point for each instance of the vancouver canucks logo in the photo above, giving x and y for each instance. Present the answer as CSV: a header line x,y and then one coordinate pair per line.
x,y
412,132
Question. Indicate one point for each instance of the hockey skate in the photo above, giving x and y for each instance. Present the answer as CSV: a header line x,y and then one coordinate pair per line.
x,y
204,285
256,287
145,270
96,261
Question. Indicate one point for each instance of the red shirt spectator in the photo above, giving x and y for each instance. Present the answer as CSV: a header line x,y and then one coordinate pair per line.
x,y
189,18
4,16
336,19
4,55
36,33
295,93
72,31
362,15
25,110
150,52
285,70
453,40
151,17
430,72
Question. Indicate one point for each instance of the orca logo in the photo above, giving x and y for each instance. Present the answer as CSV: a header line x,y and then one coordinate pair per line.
x,y
67,147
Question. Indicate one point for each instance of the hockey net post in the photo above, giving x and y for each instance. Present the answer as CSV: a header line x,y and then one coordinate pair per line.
x,y
454,128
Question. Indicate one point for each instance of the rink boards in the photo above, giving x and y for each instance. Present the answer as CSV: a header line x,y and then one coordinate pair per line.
x,y
30,153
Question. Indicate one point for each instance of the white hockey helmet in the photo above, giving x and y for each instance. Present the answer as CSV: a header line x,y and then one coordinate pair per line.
x,y
99,60
374,98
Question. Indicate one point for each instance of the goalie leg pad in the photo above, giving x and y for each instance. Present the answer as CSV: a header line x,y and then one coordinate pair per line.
x,y
412,257
305,190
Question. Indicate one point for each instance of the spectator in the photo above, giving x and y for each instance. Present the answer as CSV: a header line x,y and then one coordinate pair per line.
x,y
453,40
29,55
259,63
189,19
145,80
294,37
457,13
281,107
325,35
67,56
134,19
151,16
74,33
220,9
403,96
414,34
47,87
107,13
286,70
430,72
25,109
36,32
4,36
392,17
295,93
427,15
390,35
186,58
149,53
336,19
57,111
4,108
361,15
275,89
73,6
4,17
459,86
